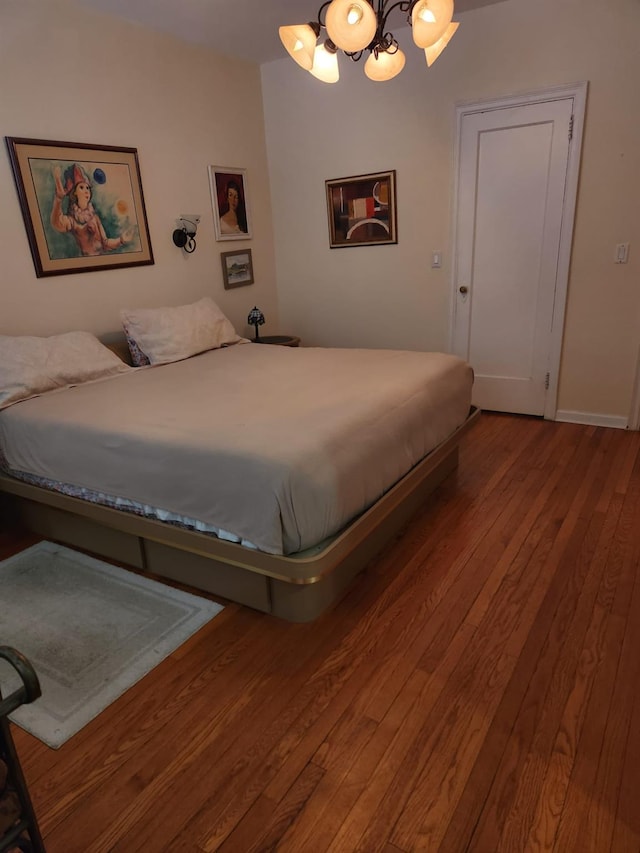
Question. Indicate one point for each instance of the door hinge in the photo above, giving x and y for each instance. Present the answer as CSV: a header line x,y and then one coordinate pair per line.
x,y
570,128
547,380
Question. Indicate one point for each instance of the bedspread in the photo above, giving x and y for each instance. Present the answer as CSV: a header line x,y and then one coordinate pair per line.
x,y
281,446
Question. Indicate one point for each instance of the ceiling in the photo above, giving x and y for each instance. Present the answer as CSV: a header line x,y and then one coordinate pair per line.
x,y
245,29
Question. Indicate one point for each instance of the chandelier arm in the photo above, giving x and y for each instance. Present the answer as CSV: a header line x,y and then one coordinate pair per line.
x,y
383,14
320,11
390,44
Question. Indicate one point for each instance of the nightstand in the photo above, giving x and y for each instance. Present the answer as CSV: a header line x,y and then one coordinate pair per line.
x,y
281,340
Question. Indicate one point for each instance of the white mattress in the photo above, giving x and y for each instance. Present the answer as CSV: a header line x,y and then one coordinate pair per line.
x,y
277,446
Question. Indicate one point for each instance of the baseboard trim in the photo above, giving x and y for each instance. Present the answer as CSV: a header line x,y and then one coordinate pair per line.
x,y
592,419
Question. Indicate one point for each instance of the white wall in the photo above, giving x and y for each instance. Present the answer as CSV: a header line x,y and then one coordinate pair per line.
x,y
388,296
71,74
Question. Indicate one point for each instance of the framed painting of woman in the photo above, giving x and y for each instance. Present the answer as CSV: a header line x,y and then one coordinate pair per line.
x,y
230,203
82,205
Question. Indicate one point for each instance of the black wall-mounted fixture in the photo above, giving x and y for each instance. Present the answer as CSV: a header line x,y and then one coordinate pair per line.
x,y
184,237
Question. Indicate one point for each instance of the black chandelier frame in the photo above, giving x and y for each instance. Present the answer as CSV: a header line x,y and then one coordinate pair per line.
x,y
382,42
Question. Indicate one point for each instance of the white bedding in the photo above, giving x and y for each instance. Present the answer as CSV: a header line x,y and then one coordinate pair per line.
x,y
279,446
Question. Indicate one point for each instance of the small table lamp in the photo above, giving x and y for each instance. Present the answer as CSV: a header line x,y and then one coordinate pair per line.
x,y
255,318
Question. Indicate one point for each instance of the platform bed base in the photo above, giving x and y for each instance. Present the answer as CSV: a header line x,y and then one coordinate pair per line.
x,y
297,588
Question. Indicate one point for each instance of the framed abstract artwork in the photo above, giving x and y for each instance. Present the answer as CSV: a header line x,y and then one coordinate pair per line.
x,y
82,205
362,210
237,268
229,198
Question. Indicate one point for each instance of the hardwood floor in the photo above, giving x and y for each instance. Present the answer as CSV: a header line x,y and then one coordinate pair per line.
x,y
478,689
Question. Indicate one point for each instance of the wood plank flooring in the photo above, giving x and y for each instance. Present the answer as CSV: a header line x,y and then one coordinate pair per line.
x,y
477,689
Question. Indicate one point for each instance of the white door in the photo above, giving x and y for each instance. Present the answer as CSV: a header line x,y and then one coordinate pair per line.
x,y
511,207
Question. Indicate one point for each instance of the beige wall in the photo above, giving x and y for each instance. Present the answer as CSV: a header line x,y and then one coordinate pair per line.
x,y
388,295
68,73
73,75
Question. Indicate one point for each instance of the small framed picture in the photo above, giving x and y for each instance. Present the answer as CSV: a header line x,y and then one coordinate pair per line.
x,y
82,205
237,268
362,210
230,203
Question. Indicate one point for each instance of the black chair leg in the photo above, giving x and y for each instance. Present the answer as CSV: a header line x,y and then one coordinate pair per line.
x,y
24,833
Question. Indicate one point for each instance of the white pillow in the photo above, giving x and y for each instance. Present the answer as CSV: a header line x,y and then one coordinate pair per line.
x,y
172,334
31,365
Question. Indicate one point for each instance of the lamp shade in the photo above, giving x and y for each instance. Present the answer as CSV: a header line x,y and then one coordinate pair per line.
x,y
256,317
433,52
385,66
300,43
429,20
325,64
351,24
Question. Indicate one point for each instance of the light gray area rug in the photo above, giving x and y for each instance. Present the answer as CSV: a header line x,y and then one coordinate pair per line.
x,y
91,630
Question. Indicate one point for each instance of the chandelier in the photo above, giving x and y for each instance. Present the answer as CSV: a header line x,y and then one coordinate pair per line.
x,y
356,26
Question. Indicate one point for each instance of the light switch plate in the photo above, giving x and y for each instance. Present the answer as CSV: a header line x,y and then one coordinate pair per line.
x,y
622,253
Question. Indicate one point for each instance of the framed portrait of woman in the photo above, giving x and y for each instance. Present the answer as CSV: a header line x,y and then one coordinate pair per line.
x,y
82,205
229,198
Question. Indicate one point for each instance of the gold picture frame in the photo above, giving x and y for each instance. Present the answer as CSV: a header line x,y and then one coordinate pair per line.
x,y
82,205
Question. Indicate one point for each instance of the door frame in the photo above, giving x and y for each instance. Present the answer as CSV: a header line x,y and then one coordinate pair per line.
x,y
634,417
578,92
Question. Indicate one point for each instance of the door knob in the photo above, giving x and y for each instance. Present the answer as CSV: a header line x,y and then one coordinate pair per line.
x,y
464,289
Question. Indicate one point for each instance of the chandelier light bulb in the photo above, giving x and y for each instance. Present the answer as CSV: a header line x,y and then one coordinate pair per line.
x,y
351,24
385,66
425,14
354,15
426,31
325,64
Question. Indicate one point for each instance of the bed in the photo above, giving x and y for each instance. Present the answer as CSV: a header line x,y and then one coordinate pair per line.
x,y
266,475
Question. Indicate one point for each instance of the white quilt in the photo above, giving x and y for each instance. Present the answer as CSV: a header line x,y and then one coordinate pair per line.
x,y
280,446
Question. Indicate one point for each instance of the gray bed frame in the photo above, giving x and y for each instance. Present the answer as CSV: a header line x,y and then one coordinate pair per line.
x,y
298,587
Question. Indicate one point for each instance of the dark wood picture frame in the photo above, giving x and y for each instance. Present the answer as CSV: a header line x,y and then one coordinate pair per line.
x,y
82,205
362,210
237,268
